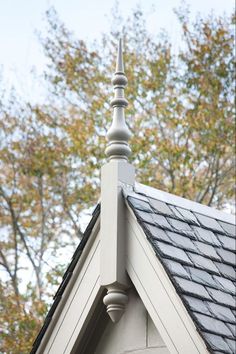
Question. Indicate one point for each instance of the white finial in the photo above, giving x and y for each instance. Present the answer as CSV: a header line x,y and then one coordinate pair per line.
x,y
115,301
118,135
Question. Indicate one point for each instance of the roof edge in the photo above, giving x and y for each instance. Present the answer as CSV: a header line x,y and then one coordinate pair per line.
x,y
65,283
183,203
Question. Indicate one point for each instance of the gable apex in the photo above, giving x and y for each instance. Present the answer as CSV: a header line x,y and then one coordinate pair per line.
x,y
193,254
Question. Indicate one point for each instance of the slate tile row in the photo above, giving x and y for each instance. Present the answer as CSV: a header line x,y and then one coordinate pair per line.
x,y
155,206
202,255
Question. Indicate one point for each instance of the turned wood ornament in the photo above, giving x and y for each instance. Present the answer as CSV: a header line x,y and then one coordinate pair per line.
x,y
115,301
119,134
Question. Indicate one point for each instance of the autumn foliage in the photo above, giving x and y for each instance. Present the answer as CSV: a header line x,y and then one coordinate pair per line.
x,y
181,116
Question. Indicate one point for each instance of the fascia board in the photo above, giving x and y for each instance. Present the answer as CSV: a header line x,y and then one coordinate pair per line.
x,y
158,294
77,301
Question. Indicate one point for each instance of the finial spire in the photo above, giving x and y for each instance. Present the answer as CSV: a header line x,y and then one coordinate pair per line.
x,y
119,60
118,135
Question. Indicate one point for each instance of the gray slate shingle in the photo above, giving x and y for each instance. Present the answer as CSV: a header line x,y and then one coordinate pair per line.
x,y
232,344
187,215
179,226
217,342
197,305
227,271
202,277
160,207
203,263
140,205
176,268
226,256
145,216
222,297
161,221
227,242
181,241
206,236
232,328
221,312
157,233
213,325
192,288
209,223
226,284
172,252
229,228
207,250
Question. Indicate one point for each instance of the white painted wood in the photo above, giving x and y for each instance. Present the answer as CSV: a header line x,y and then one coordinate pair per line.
x,y
153,340
158,294
115,301
112,260
184,203
113,275
131,334
118,134
78,299
112,222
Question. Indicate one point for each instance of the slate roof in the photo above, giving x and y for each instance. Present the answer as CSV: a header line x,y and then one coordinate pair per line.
x,y
198,253
196,246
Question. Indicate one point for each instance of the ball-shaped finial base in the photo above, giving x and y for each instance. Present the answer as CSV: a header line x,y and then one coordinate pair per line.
x,y
115,301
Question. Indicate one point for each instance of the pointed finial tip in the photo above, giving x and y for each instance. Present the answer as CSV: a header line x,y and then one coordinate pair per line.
x,y
119,62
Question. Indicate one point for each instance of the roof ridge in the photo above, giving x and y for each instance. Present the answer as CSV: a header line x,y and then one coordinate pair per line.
x,y
183,203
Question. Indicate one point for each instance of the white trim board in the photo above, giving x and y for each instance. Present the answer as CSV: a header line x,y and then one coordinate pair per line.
x,y
73,311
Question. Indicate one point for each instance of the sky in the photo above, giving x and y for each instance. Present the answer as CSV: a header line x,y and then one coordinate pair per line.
x,y
20,51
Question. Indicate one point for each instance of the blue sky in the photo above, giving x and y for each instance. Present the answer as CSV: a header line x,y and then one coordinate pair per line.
x,y
19,19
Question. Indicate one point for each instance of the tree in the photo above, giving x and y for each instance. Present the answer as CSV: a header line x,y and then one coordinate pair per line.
x,y
181,115
182,106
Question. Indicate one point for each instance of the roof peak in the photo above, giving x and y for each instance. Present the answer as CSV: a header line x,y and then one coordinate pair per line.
x,y
118,134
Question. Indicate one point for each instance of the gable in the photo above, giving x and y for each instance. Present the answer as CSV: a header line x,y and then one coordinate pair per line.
x,y
80,305
134,333
198,254
167,265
